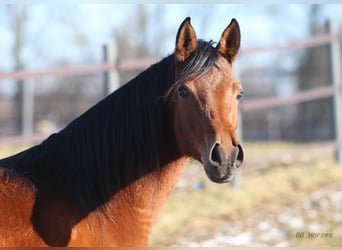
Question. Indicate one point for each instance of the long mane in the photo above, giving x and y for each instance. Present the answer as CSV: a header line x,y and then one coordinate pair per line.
x,y
118,140
114,142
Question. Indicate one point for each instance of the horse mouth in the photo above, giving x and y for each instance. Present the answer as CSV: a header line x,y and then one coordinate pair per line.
x,y
219,176
218,167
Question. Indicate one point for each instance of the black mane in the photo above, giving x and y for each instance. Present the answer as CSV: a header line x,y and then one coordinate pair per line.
x,y
116,141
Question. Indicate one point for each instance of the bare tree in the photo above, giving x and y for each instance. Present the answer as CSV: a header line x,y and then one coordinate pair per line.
x,y
142,36
18,18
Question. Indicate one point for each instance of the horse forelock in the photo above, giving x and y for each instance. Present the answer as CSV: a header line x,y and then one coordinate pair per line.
x,y
199,63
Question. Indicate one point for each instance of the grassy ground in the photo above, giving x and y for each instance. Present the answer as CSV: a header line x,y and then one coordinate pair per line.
x,y
270,185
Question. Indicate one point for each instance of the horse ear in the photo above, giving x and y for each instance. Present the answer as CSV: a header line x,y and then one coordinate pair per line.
x,y
230,41
186,41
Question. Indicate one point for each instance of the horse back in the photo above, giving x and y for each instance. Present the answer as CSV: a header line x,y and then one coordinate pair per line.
x,y
21,161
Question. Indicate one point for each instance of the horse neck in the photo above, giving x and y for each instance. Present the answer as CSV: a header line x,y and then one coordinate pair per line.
x,y
142,201
127,218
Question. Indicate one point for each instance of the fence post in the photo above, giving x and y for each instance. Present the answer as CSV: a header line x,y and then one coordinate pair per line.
x,y
111,78
27,107
336,79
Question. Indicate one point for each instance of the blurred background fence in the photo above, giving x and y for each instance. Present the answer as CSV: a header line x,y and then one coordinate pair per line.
x,y
302,105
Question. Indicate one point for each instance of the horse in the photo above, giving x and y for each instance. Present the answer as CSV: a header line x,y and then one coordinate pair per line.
x,y
104,178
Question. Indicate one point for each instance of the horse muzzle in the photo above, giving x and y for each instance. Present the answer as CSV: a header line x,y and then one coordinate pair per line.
x,y
220,168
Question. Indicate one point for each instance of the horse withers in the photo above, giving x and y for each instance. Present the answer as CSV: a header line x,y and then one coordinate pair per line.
x,y
103,179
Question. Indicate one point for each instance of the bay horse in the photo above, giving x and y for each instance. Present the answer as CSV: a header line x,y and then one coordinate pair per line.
x,y
103,179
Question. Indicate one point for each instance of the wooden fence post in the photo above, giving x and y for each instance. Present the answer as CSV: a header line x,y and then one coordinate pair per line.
x,y
336,80
27,108
111,78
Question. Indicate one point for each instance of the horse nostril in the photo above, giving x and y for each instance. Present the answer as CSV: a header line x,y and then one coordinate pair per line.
x,y
240,155
216,157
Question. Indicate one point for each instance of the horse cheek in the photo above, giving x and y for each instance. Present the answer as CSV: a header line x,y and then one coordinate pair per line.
x,y
184,129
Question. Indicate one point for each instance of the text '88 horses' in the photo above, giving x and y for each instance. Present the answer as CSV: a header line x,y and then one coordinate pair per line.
x,y
103,179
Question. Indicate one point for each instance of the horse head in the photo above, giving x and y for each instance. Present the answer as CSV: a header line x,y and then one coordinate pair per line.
x,y
206,103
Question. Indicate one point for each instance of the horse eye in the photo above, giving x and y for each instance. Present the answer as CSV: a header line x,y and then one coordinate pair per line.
x,y
239,94
183,92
